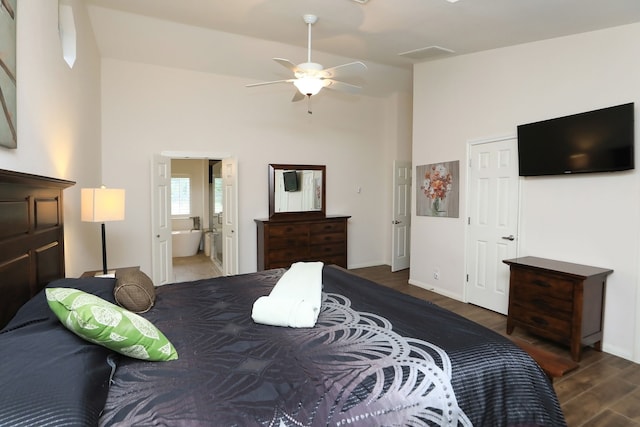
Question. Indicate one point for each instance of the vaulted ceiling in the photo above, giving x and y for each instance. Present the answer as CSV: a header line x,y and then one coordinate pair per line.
x,y
379,30
179,32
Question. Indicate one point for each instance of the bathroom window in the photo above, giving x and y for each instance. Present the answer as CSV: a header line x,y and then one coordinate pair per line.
x,y
180,195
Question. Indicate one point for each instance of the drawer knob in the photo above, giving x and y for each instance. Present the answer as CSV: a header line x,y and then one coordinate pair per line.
x,y
539,320
541,283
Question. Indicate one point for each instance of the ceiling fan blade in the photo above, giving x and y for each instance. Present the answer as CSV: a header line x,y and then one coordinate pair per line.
x,y
341,86
350,68
287,64
297,96
270,83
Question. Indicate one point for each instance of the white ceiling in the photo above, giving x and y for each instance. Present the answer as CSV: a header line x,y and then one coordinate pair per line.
x,y
378,30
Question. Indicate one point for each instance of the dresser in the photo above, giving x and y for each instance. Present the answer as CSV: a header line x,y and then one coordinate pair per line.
x,y
561,301
283,242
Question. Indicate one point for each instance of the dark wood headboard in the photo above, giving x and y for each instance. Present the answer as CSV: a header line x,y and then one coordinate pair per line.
x,y
31,237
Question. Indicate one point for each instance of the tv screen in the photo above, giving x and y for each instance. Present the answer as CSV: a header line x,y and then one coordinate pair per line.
x,y
595,141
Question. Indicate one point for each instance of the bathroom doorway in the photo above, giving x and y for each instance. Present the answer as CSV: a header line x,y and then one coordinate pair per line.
x,y
196,218
195,214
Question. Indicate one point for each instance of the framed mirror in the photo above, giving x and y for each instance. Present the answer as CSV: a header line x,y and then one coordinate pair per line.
x,y
297,191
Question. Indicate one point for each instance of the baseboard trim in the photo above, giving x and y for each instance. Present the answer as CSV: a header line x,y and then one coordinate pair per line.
x,y
443,292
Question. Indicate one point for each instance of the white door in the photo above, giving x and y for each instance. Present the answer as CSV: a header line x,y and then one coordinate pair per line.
x,y
230,216
160,223
492,222
401,223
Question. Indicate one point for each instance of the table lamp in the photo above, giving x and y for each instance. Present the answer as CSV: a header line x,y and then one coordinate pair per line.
x,y
102,205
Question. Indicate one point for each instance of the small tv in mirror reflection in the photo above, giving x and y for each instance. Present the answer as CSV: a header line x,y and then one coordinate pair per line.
x,y
290,180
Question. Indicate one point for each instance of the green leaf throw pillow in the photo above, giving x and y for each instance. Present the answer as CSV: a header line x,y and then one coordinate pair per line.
x,y
109,325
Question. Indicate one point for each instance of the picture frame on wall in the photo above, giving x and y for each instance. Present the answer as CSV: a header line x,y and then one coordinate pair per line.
x,y
8,130
438,189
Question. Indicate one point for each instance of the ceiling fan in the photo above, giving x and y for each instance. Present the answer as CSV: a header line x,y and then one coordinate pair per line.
x,y
311,77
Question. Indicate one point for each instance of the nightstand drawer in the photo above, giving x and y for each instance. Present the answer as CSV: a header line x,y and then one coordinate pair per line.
x,y
530,299
550,324
529,283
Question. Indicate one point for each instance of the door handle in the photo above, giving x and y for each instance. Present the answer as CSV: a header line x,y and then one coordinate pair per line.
x,y
395,222
509,237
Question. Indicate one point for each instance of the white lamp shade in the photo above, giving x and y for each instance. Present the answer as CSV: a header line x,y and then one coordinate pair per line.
x,y
102,204
309,85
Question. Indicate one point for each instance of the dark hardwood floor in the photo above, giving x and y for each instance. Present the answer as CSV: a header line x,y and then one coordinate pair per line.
x,y
603,391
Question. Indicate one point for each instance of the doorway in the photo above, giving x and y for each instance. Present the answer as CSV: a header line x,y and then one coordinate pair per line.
x,y
197,194
196,207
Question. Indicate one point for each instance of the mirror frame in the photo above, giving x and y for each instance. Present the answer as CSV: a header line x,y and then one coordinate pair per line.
x,y
273,215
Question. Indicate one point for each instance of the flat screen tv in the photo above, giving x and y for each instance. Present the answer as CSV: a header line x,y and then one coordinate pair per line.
x,y
595,141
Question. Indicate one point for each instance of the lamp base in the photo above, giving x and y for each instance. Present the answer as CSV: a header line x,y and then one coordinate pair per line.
x,y
110,274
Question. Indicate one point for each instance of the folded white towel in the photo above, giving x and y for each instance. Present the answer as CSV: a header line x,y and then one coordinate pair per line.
x,y
295,300
276,311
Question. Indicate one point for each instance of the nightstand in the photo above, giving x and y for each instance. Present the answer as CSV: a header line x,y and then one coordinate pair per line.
x,y
561,301
94,272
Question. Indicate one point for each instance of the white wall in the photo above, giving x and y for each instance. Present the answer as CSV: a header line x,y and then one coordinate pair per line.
x,y
587,219
149,109
58,118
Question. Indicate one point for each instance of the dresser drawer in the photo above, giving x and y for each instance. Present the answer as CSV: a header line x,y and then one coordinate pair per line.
x,y
290,255
327,250
288,230
328,227
291,241
320,239
281,243
530,283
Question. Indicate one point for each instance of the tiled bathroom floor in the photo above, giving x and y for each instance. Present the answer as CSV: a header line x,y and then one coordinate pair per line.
x,y
194,267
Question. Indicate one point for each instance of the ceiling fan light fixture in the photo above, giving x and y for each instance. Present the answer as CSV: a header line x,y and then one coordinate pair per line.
x,y
309,85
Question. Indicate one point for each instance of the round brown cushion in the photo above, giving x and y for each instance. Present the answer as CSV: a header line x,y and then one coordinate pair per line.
x,y
134,291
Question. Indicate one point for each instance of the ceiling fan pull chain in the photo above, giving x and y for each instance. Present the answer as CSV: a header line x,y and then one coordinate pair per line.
x,y
309,104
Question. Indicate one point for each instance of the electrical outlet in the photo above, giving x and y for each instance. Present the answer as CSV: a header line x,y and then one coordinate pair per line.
x,y
436,275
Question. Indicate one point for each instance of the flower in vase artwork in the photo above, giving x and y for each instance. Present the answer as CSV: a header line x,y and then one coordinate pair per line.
x,y
438,189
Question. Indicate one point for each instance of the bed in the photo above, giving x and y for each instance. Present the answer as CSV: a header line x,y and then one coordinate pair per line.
x,y
375,357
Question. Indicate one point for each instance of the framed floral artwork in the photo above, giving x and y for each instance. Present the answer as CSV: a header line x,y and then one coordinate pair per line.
x,y
8,73
438,189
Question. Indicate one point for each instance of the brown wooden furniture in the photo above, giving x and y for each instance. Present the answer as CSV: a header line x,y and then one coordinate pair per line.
x,y
31,237
93,273
561,301
283,242
553,365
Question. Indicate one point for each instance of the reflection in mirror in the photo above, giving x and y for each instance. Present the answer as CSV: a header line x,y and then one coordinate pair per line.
x,y
296,190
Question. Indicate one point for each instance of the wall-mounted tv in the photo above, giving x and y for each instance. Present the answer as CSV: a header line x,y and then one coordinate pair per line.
x,y
594,141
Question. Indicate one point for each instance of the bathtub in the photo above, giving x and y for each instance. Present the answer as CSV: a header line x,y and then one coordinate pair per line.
x,y
185,242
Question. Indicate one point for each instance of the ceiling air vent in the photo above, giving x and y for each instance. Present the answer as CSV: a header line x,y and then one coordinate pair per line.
x,y
429,52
